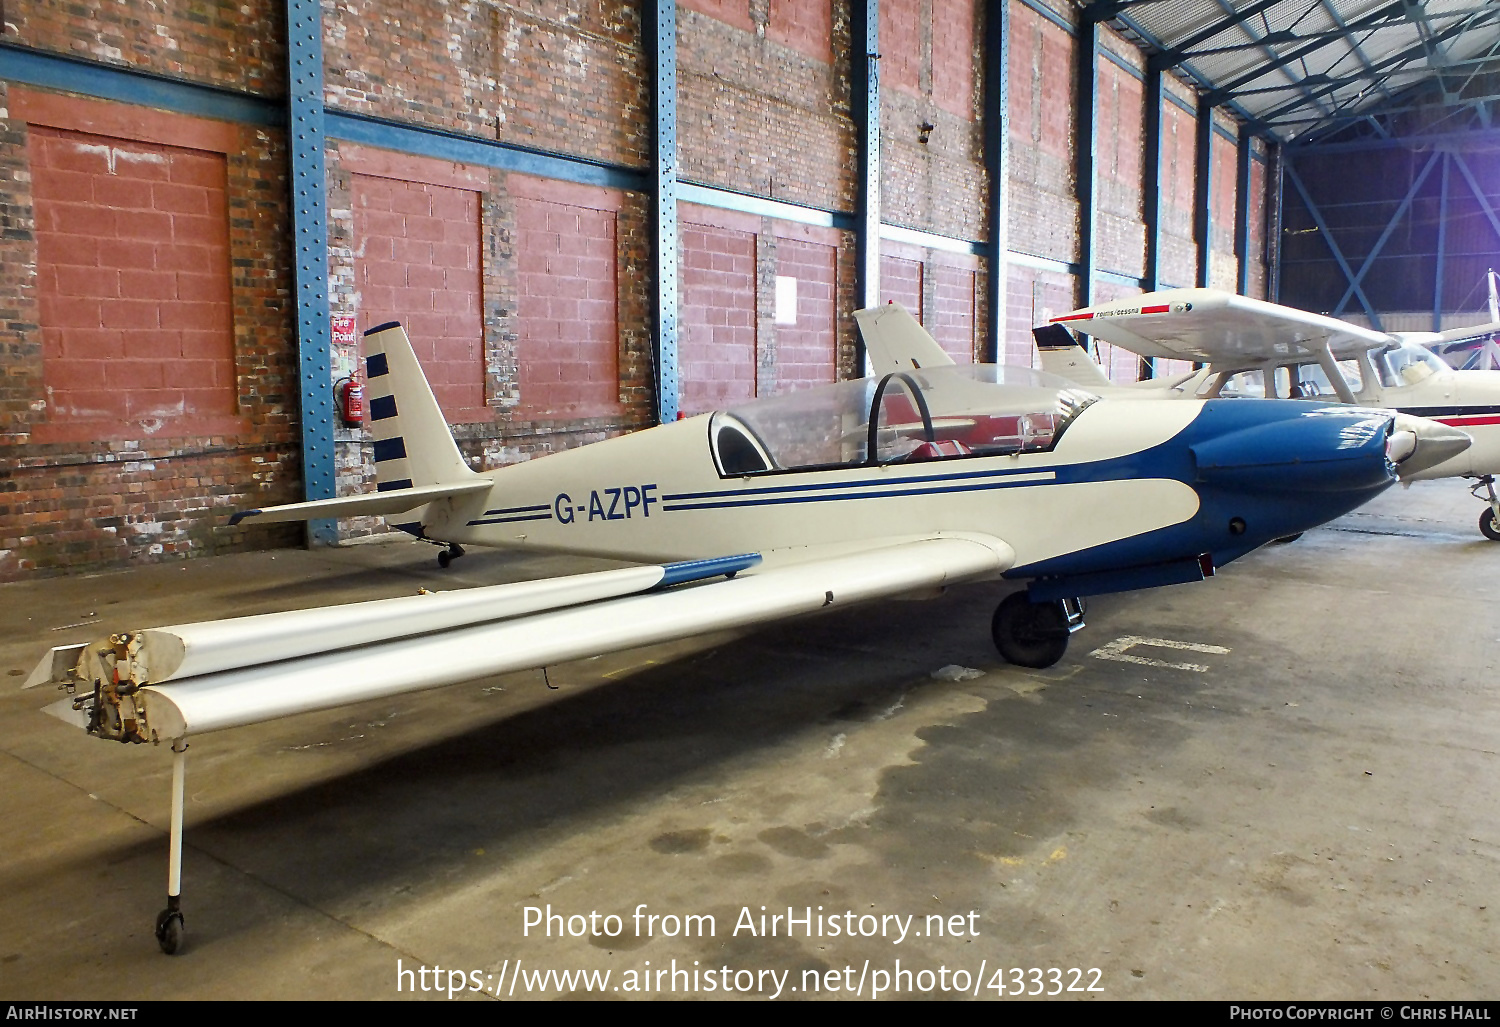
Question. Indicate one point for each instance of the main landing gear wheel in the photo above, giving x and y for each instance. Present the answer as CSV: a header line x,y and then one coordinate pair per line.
x,y
1488,527
447,556
1034,634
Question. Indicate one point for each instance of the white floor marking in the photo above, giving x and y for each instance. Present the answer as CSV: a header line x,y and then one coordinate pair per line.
x,y
1116,651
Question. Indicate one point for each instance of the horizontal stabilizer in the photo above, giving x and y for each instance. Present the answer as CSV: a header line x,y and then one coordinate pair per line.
x,y
369,504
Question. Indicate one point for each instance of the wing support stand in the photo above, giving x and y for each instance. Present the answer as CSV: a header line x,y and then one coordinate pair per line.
x,y
169,923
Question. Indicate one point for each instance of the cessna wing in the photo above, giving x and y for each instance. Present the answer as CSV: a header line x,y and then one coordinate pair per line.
x,y
1210,326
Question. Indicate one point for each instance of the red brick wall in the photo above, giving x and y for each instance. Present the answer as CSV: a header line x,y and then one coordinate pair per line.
x,y
1224,268
803,25
953,47
954,323
1044,203
901,37
757,111
133,286
417,262
568,337
1258,209
1179,255
238,45
145,482
807,351
1120,245
901,281
1032,298
557,74
716,356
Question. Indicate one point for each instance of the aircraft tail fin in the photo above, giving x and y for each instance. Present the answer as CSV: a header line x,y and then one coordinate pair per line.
x,y
1064,356
414,446
896,341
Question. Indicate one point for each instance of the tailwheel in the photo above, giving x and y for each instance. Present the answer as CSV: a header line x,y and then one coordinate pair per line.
x,y
1488,526
447,556
169,927
1032,634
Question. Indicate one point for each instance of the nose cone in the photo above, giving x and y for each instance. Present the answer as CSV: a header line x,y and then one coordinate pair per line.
x,y
1418,443
1312,449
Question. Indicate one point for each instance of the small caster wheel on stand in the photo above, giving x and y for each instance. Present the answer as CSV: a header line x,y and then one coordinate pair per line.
x,y
447,556
169,931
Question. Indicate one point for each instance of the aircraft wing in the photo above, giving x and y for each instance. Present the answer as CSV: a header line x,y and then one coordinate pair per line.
x,y
390,501
1213,327
222,674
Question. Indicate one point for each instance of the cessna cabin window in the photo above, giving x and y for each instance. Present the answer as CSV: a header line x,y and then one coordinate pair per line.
x,y
907,417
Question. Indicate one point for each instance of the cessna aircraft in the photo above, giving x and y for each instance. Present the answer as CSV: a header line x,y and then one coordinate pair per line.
x,y
920,478
1253,348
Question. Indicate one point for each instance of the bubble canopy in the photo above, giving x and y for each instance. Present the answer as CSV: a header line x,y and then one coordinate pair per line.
x,y
944,413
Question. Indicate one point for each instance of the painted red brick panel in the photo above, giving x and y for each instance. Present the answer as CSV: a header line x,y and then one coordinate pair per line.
x,y
132,282
417,262
731,12
953,36
806,352
953,312
901,44
567,345
804,25
901,280
716,348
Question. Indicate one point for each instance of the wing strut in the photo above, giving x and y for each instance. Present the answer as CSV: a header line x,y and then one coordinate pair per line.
x,y
1330,368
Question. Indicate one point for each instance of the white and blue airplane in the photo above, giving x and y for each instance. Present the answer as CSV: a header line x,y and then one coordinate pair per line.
x,y
1249,347
926,475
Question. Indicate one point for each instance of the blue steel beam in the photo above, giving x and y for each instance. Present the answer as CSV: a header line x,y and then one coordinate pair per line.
x,y
1484,201
996,58
1390,226
1086,133
865,31
664,196
309,196
1442,247
1333,246
1203,190
1242,180
1181,51
1155,96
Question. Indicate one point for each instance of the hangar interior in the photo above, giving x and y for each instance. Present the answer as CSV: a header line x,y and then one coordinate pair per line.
x,y
595,217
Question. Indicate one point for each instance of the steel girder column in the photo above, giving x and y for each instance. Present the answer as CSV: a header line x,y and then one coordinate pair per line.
x,y
1203,195
1086,133
865,102
664,204
1442,245
1274,220
310,249
1155,97
997,165
1243,156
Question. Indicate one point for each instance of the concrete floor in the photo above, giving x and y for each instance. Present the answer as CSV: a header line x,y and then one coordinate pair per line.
x,y
1310,815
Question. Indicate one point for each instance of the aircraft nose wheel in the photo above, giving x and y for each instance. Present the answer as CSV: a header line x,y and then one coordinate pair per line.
x,y
1488,526
1034,634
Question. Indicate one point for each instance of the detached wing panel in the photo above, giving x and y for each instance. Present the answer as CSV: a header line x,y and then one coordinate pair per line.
x,y
1209,326
247,695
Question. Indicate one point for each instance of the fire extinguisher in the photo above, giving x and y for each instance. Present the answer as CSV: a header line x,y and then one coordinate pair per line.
x,y
351,396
